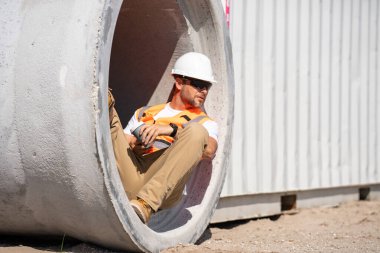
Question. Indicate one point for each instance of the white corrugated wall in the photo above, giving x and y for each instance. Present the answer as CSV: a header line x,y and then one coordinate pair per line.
x,y
307,101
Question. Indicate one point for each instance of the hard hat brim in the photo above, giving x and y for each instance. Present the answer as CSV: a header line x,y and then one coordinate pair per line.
x,y
186,74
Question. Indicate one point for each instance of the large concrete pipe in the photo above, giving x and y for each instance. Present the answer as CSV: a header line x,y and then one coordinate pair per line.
x,y
57,168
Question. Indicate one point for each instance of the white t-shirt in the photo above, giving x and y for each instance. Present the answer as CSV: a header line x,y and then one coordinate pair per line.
x,y
210,125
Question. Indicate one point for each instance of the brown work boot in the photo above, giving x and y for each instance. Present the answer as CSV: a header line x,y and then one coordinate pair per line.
x,y
142,209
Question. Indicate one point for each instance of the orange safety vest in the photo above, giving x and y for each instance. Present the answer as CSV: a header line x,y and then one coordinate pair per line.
x,y
146,114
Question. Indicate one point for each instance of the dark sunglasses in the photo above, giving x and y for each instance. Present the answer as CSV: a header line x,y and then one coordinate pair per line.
x,y
198,83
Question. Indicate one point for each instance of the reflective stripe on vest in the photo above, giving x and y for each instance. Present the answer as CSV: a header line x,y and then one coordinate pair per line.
x,y
161,144
141,112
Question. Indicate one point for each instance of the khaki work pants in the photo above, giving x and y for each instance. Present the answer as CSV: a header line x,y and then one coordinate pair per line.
x,y
158,178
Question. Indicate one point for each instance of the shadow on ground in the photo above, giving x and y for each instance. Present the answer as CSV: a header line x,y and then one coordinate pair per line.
x,y
52,244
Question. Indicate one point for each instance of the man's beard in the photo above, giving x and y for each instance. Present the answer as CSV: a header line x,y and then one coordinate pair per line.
x,y
194,103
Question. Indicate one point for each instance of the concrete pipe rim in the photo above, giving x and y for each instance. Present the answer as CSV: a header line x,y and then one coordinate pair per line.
x,y
152,237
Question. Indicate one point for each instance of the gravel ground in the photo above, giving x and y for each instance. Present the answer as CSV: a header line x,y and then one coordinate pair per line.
x,y
350,227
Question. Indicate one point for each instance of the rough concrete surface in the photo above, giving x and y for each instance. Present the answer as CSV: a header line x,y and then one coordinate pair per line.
x,y
350,227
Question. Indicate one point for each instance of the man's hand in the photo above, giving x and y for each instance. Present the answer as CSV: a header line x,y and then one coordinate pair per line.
x,y
210,150
149,133
132,140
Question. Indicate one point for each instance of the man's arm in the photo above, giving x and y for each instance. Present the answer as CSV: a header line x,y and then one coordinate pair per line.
x,y
149,133
210,150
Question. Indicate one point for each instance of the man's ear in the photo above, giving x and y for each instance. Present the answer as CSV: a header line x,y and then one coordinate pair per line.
x,y
178,83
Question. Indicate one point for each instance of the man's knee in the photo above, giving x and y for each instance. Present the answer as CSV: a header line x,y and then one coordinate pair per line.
x,y
196,132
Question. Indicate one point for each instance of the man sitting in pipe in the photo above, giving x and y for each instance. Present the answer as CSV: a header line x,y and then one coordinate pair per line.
x,y
156,152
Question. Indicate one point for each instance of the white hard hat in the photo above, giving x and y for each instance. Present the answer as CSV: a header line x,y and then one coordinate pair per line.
x,y
195,65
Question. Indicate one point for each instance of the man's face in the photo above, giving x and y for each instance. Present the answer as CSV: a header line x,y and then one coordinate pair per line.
x,y
194,92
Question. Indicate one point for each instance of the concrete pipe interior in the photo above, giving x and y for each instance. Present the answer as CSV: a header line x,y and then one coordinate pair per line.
x,y
149,37
57,169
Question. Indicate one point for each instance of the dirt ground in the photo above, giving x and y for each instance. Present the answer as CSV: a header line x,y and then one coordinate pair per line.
x,y
350,227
